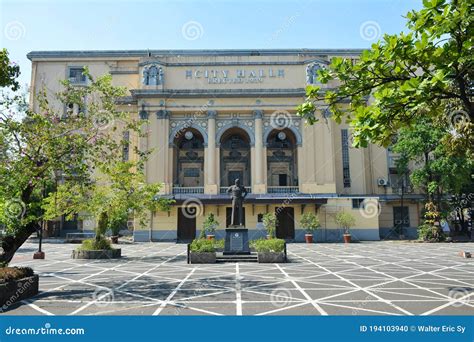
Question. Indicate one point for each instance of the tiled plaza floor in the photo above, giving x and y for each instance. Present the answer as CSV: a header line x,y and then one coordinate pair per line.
x,y
371,278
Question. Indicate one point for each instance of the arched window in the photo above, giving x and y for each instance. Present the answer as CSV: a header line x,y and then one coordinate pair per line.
x,y
282,167
188,156
235,157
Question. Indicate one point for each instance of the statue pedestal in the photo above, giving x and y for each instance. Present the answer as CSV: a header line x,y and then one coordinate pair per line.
x,y
236,241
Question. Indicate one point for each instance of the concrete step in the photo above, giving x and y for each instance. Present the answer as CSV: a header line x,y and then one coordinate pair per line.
x,y
222,260
236,258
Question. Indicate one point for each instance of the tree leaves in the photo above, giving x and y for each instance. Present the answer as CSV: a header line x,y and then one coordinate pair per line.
x,y
404,77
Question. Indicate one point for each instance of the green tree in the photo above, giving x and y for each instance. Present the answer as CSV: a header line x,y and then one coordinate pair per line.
x,y
269,222
344,220
42,147
309,222
425,72
9,72
435,170
117,192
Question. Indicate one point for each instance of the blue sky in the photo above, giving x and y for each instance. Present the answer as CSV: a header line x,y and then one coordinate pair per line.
x,y
146,24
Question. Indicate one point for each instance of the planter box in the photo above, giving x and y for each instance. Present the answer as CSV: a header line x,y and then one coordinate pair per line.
x,y
271,257
203,258
100,254
17,290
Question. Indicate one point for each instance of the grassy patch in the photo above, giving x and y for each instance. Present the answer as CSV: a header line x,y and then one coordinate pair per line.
x,y
14,273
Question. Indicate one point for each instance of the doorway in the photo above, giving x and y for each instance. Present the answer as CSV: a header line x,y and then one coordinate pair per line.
x,y
285,223
187,223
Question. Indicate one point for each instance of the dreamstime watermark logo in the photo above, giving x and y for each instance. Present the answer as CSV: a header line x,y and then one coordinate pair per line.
x,y
47,329
192,207
281,119
460,296
192,30
22,287
103,297
15,209
281,297
14,30
370,208
370,30
103,120
458,118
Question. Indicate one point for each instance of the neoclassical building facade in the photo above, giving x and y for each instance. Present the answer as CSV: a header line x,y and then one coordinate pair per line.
x,y
213,116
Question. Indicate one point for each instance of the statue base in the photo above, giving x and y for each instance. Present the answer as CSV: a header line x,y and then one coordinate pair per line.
x,y
236,240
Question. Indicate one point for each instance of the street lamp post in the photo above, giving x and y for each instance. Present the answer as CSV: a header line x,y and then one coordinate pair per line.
x,y
40,254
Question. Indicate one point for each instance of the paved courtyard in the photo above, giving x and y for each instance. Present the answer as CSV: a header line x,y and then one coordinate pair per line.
x,y
371,278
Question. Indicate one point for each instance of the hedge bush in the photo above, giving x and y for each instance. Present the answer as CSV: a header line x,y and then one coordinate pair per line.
x,y
202,246
427,232
14,273
95,245
269,245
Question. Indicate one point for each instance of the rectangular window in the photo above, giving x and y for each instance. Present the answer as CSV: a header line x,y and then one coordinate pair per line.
x,y
357,202
76,76
126,146
346,174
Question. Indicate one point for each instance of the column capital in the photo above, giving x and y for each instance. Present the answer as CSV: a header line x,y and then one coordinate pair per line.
x,y
163,114
211,114
258,114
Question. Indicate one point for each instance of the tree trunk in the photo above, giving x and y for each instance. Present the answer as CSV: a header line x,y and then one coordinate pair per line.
x,y
11,243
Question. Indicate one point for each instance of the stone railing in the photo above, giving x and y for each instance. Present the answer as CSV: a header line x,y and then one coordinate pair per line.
x,y
223,189
188,189
282,189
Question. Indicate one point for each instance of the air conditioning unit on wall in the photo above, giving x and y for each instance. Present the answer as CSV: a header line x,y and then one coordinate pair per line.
x,y
382,182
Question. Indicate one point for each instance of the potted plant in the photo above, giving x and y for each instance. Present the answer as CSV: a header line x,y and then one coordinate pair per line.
x,y
309,222
210,225
269,222
346,221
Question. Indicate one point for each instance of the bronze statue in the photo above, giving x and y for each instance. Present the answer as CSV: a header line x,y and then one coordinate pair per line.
x,y
238,193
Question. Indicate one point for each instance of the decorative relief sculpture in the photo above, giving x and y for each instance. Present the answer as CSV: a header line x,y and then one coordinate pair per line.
x,y
153,75
312,72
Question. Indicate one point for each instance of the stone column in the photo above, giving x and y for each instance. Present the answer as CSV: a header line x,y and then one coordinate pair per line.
x,y
143,139
161,155
210,184
259,184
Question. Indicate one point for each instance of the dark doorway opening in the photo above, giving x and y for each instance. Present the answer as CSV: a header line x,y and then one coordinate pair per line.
x,y
285,223
282,179
186,223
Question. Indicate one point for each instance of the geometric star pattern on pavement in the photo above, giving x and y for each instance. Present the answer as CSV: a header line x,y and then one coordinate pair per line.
x,y
369,278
